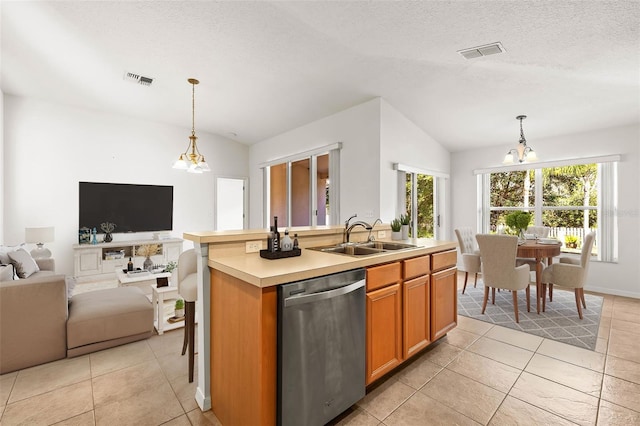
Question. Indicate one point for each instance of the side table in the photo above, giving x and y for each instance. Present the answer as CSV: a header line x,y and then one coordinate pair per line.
x,y
158,296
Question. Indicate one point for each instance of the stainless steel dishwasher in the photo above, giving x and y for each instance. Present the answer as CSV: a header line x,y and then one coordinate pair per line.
x,y
321,347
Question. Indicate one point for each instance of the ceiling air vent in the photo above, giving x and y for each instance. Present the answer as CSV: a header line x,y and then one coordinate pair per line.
x,y
137,78
487,49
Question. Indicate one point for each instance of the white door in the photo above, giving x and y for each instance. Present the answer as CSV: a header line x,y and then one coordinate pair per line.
x,y
230,204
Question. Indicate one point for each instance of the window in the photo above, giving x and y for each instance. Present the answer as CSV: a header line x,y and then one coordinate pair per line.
x,y
570,198
298,189
421,192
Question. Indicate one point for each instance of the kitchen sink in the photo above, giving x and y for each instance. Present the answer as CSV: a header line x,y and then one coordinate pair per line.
x,y
364,249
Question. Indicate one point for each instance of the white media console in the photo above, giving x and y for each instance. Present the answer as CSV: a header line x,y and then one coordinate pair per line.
x,y
94,260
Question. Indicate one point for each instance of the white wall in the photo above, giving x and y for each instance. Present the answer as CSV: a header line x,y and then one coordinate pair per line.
x,y
1,166
49,148
401,141
621,278
358,128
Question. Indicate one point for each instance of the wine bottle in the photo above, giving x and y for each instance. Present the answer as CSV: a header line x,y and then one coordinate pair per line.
x,y
130,265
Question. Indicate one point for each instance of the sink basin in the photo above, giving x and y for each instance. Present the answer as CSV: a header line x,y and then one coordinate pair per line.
x,y
364,249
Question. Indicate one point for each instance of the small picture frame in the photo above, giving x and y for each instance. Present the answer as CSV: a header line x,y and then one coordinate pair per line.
x,y
162,282
84,236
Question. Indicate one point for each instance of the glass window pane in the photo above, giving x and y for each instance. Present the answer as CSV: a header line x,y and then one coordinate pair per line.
x,y
570,185
512,189
300,193
425,206
322,182
278,196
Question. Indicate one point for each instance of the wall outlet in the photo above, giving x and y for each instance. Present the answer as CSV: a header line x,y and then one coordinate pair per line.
x,y
368,213
382,234
253,246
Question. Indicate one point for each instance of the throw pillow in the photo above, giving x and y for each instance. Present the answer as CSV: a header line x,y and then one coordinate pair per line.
x,y
5,250
24,263
71,284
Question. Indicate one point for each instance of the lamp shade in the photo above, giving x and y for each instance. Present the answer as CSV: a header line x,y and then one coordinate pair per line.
x,y
43,234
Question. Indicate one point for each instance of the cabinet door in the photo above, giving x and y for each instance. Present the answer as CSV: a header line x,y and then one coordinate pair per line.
x,y
444,302
384,331
88,262
416,318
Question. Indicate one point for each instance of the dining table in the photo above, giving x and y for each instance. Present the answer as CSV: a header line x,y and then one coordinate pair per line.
x,y
539,250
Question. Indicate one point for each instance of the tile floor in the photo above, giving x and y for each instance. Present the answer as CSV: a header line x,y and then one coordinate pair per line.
x,y
477,374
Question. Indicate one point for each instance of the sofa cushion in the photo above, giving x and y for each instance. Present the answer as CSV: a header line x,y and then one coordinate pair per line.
x,y
23,262
5,250
103,315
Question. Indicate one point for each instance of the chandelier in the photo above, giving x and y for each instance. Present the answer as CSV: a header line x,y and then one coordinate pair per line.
x,y
191,160
522,152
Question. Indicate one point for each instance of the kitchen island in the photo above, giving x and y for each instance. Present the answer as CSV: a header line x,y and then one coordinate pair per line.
x,y
238,292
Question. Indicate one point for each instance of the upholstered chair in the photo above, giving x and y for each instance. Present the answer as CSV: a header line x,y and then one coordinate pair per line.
x,y
498,253
188,290
571,273
539,232
470,255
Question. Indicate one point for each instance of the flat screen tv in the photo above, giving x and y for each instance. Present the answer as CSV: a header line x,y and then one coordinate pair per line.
x,y
133,208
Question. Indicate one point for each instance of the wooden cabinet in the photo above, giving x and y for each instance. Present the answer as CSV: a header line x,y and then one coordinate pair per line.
x,y
444,294
384,320
416,309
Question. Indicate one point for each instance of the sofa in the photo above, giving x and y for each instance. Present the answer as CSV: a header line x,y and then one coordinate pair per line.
x,y
39,323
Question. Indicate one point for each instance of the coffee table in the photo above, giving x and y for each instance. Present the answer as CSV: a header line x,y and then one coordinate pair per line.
x,y
144,280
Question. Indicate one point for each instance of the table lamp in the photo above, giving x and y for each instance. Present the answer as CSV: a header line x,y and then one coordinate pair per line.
x,y
39,236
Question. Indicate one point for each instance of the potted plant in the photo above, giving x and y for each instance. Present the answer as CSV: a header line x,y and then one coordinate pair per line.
x,y
571,241
405,221
172,268
396,227
518,221
179,308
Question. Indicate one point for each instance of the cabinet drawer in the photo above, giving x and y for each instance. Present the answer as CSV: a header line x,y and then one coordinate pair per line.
x,y
384,275
416,267
442,260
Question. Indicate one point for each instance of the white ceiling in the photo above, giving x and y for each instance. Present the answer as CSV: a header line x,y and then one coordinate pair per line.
x,y
267,67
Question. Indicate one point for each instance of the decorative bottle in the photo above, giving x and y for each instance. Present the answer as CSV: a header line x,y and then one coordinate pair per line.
x,y
130,265
287,243
295,241
276,235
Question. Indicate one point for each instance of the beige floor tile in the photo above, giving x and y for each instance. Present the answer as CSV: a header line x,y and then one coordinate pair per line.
x,y
176,365
626,315
605,322
516,412
182,420
623,369
475,400
607,311
199,418
140,393
613,415
486,371
185,391
47,377
355,416
120,357
578,378
628,326
621,392
418,372
51,407
558,399
626,304
382,400
423,410
473,325
441,353
515,337
602,346
625,345
84,419
501,352
6,386
460,338
573,355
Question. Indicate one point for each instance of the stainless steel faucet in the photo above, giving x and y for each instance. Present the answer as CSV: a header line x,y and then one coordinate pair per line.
x,y
347,232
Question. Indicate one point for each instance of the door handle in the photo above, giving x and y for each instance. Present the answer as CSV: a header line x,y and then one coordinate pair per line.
x,y
330,294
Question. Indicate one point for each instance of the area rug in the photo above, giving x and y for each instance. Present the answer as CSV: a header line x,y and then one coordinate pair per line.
x,y
559,322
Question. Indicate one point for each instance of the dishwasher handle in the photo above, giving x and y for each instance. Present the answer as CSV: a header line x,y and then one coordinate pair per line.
x,y
308,298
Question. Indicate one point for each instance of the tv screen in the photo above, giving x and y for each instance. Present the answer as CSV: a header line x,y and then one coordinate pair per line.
x,y
133,208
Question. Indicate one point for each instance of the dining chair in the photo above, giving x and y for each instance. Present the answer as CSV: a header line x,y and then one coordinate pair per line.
x,y
498,253
571,273
539,232
470,255
188,290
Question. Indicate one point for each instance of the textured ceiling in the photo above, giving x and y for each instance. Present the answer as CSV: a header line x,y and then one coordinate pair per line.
x,y
268,67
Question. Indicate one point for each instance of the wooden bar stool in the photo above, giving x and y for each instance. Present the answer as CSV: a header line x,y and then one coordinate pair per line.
x,y
188,290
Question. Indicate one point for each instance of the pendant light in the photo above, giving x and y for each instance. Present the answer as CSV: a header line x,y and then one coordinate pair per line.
x,y
521,152
191,160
